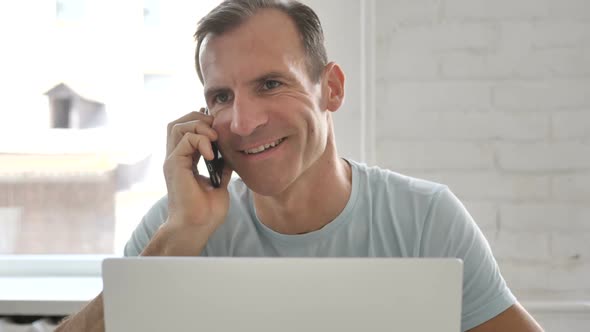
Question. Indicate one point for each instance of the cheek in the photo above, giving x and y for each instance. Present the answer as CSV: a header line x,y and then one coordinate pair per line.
x,y
221,118
221,124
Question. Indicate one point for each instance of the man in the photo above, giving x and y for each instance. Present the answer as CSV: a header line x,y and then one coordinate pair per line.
x,y
271,93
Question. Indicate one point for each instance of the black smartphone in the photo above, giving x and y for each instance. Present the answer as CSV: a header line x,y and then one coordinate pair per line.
x,y
215,166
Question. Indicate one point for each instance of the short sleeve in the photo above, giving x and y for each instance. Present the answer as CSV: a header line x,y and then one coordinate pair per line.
x,y
150,223
449,231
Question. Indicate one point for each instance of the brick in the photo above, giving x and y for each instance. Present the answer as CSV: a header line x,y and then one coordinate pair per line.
x,y
571,124
536,217
561,156
574,188
434,96
515,37
439,37
434,155
52,210
561,34
463,125
514,126
493,10
572,246
546,95
524,276
572,276
407,11
475,66
487,185
515,63
484,214
405,65
558,63
569,9
11,219
522,246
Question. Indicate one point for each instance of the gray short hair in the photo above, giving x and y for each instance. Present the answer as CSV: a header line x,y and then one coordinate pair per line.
x,y
231,13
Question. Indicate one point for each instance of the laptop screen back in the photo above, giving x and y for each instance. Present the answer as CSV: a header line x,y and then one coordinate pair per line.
x,y
282,294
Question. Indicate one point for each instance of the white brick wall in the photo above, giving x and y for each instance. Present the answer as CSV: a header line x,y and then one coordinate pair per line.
x,y
437,155
558,156
475,126
492,97
542,95
571,124
545,217
495,10
561,34
485,185
571,188
511,246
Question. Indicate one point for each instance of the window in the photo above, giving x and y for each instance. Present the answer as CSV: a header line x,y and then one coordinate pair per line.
x,y
69,10
85,101
151,12
88,89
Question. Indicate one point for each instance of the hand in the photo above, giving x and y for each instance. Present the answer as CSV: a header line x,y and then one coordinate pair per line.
x,y
193,201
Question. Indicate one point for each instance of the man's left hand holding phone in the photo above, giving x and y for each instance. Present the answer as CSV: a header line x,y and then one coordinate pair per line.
x,y
197,205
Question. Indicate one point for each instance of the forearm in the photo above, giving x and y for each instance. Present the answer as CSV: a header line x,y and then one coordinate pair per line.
x,y
89,319
172,240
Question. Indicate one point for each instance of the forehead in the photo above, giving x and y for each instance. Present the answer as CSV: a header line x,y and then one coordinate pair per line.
x,y
264,42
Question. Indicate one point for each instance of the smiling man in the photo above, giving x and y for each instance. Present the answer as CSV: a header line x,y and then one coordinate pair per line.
x,y
271,93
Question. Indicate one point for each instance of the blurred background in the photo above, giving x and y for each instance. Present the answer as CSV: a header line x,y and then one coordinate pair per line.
x,y
88,87
489,97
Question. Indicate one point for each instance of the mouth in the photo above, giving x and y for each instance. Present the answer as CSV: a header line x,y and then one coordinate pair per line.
x,y
264,147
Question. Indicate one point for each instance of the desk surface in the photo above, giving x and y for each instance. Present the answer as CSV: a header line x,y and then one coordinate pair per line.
x,y
51,296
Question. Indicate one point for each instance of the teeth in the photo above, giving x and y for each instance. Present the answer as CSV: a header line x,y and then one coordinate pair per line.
x,y
264,147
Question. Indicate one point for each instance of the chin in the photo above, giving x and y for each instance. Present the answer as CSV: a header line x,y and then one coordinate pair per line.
x,y
265,185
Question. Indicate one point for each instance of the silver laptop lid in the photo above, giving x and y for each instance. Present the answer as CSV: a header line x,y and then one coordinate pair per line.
x,y
282,294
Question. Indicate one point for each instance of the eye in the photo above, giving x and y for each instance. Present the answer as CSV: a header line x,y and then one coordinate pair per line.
x,y
271,84
221,98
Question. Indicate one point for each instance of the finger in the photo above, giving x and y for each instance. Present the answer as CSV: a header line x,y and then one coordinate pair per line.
x,y
192,144
197,127
191,117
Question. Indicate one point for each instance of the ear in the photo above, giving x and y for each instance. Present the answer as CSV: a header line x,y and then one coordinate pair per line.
x,y
333,87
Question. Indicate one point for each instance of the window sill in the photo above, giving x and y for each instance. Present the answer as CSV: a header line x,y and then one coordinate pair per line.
x,y
46,296
48,285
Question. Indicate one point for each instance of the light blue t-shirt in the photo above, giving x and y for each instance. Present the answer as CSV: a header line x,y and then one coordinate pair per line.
x,y
387,215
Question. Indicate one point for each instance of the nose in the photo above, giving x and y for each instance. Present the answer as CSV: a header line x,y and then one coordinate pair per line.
x,y
247,115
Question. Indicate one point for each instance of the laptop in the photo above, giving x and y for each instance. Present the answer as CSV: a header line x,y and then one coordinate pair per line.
x,y
282,294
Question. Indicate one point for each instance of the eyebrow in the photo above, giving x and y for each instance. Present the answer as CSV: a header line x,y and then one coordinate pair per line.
x,y
270,76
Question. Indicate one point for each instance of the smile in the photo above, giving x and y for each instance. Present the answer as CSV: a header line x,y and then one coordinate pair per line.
x,y
264,147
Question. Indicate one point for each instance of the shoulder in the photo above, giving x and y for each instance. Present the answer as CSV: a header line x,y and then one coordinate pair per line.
x,y
397,205
397,187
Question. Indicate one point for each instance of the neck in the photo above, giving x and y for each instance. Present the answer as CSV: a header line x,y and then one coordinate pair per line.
x,y
315,199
